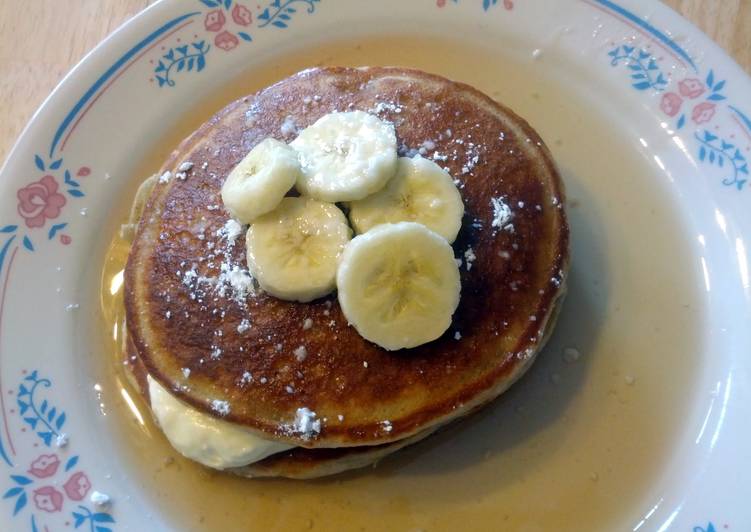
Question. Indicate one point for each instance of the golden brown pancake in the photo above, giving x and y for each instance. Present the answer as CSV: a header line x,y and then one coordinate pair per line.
x,y
182,314
303,463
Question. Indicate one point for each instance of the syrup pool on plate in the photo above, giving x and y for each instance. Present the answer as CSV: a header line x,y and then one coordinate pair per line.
x,y
577,443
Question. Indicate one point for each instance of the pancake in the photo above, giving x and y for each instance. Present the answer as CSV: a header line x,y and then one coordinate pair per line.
x,y
302,463
183,311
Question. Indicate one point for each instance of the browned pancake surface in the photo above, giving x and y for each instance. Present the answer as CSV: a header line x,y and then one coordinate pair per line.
x,y
365,394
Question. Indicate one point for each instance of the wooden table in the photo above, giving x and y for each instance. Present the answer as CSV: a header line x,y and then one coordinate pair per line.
x,y
42,39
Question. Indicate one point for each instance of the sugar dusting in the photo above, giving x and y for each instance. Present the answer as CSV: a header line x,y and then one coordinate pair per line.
x,y
305,425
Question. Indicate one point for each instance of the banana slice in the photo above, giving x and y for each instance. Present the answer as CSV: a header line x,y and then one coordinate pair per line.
x,y
259,182
294,250
345,156
422,192
399,285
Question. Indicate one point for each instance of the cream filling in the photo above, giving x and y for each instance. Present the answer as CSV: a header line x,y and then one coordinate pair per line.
x,y
205,439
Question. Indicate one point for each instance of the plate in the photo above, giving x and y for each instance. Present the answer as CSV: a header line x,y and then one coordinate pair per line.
x,y
634,417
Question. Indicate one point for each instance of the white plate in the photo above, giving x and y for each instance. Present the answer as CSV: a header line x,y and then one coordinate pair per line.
x,y
674,154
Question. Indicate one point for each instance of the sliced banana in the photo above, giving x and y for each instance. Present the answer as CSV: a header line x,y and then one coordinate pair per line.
x,y
399,285
259,182
345,156
294,250
422,192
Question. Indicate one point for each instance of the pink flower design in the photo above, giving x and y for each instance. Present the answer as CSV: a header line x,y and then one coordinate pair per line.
x,y
691,88
65,240
77,486
441,3
48,499
45,466
226,41
671,103
40,201
703,112
242,15
214,20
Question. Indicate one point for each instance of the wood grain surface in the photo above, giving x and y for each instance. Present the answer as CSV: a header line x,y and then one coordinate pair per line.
x,y
41,40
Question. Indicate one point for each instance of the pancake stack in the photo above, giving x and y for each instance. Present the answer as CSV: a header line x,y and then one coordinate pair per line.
x,y
229,350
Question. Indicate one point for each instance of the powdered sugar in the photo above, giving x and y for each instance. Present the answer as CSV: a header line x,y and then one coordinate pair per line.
x,y
502,215
469,257
288,126
220,407
300,353
305,424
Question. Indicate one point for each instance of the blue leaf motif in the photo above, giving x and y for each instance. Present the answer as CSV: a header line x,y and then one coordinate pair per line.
x,y
60,421
245,36
56,164
12,492
21,480
8,229
54,230
102,517
71,463
103,529
32,377
51,414
43,408
719,86
702,153
46,437
710,78
711,156
20,503
209,3
279,24
32,421
716,97
79,519
184,58
39,162
227,4
681,121
27,243
22,390
23,407
75,193
645,72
